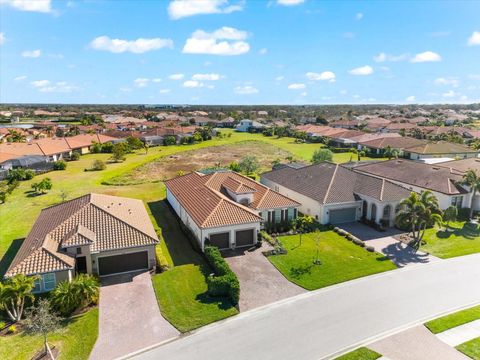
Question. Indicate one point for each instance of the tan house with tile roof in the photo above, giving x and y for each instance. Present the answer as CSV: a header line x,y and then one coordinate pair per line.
x,y
95,234
440,149
227,209
335,194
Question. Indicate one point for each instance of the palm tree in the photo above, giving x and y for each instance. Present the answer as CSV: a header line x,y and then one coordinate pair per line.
x,y
87,288
390,152
472,180
79,293
13,293
417,212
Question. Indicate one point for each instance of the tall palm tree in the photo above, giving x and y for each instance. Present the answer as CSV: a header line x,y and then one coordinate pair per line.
x,y
13,293
472,180
417,212
390,152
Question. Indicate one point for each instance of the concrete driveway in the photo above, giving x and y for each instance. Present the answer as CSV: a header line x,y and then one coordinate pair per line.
x,y
260,282
129,317
384,242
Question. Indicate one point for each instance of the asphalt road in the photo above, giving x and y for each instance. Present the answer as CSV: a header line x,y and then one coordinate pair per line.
x,y
322,323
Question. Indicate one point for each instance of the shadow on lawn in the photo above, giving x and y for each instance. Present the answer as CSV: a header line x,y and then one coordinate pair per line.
x,y
468,231
9,255
299,271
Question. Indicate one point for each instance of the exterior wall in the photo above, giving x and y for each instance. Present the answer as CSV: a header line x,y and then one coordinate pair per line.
x,y
308,206
380,207
64,275
149,248
239,198
415,156
277,213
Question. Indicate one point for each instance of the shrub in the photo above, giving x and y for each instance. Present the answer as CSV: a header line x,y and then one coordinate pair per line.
x,y
224,282
78,293
98,165
29,174
169,140
2,325
75,156
349,236
59,165
358,242
463,214
12,329
322,155
369,248
265,236
162,263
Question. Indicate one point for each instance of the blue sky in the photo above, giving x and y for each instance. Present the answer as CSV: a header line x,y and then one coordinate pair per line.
x,y
239,52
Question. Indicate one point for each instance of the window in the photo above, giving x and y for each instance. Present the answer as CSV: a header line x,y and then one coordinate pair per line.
x,y
294,213
386,212
457,201
37,286
48,281
79,250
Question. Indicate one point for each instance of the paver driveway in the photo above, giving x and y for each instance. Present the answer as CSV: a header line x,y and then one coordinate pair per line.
x,y
129,317
260,282
384,242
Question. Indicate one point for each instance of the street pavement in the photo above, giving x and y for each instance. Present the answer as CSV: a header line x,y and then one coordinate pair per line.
x,y
327,322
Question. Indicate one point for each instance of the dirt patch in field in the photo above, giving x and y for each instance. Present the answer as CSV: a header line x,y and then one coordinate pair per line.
x,y
169,166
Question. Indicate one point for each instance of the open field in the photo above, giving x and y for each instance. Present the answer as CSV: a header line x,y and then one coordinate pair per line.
x,y
462,239
341,260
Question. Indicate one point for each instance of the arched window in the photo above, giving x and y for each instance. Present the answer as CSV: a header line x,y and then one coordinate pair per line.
x,y
373,212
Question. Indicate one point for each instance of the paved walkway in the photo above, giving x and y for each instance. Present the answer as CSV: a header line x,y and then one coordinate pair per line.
x,y
129,317
384,242
417,343
260,282
460,334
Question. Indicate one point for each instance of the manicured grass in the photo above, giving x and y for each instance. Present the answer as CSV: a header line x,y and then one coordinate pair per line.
x,y
341,260
453,320
471,348
183,299
462,239
75,340
362,353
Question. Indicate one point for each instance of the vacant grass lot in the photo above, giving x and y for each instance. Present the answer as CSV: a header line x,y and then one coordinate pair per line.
x,y
453,320
75,340
471,348
362,353
341,260
462,239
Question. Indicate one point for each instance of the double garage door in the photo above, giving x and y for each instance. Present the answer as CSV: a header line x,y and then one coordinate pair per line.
x,y
242,238
339,216
108,265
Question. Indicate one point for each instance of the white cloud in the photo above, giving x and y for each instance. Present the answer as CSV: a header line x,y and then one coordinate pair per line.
x,y
289,2
139,46
176,76
343,92
263,51
43,6
449,94
141,82
20,78
47,86
156,80
410,98
192,84
362,70
32,53
304,93
178,9
451,81
2,38
206,77
382,57
164,91
223,41
296,86
359,16
474,39
427,56
324,76
245,90
280,78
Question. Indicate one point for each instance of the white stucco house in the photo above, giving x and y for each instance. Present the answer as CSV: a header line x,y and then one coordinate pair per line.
x,y
247,125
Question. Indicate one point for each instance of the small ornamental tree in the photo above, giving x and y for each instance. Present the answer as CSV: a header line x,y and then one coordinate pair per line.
x,y
322,155
249,164
303,224
41,320
118,153
13,293
450,214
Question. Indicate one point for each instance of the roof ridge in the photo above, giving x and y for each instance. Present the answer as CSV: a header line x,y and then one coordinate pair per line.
x,y
330,185
382,189
52,254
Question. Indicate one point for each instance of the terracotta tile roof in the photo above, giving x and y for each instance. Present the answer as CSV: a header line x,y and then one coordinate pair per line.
x,y
21,149
5,157
425,176
462,165
237,186
441,147
52,146
372,136
394,142
85,140
102,221
330,183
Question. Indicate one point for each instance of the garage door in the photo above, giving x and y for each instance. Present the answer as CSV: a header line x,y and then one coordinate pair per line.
x,y
123,263
244,238
339,216
222,240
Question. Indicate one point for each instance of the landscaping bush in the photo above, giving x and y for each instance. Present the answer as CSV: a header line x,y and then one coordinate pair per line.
x,y
369,248
59,165
98,165
224,282
265,236
75,156
20,175
336,229
463,214
349,236
69,296
358,242
162,263
3,324
12,329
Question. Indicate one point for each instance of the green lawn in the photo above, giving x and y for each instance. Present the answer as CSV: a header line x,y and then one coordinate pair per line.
x,y
471,348
341,260
453,320
462,239
362,353
75,340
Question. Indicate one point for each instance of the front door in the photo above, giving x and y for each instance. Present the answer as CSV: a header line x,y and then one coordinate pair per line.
x,y
81,264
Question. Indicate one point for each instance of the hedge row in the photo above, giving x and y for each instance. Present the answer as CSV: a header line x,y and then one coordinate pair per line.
x,y
224,282
353,239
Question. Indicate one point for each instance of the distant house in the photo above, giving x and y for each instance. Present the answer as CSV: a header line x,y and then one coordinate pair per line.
x,y
440,149
335,194
94,234
227,209
399,143
247,125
